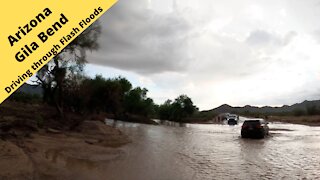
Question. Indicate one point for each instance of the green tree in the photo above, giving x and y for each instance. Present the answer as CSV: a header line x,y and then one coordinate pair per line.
x,y
114,96
165,110
182,107
70,61
137,102
312,110
299,112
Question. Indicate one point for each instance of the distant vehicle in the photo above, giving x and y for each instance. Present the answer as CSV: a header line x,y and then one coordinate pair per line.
x,y
254,128
232,122
232,119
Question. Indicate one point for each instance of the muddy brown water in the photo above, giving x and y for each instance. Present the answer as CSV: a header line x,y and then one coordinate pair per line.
x,y
217,152
174,152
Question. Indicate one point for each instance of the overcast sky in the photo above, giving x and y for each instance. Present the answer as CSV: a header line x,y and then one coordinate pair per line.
x,y
257,52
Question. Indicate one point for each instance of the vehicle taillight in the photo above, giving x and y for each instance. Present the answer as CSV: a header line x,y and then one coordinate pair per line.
x,y
258,126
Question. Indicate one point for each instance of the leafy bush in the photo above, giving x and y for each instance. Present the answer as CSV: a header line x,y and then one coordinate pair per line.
x,y
299,112
181,108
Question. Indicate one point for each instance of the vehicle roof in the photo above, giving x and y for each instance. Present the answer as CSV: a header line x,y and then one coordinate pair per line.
x,y
233,115
254,120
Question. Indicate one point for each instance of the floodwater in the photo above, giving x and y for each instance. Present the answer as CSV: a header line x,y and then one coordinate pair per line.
x,y
173,152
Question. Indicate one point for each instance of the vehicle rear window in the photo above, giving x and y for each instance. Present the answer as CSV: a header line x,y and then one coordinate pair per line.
x,y
251,122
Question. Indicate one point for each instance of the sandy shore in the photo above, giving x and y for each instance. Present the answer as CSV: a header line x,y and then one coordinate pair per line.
x,y
61,155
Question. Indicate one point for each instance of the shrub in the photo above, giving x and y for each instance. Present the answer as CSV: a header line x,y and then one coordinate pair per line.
x,y
299,112
25,98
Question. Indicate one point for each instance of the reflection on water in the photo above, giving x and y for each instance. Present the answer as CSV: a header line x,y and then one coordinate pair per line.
x,y
169,151
170,123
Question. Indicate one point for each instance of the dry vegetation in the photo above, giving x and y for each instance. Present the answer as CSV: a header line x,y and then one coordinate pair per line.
x,y
313,120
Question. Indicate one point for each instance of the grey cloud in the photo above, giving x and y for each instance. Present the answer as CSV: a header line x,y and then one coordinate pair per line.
x,y
221,57
206,44
259,37
137,39
301,94
264,38
289,37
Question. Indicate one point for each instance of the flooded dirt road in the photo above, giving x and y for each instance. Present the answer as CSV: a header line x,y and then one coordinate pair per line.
x,y
216,152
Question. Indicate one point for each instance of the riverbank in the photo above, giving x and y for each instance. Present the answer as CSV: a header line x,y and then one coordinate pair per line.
x,y
36,144
61,155
303,120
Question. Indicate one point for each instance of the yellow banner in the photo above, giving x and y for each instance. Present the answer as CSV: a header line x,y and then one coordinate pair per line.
x,y
33,32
